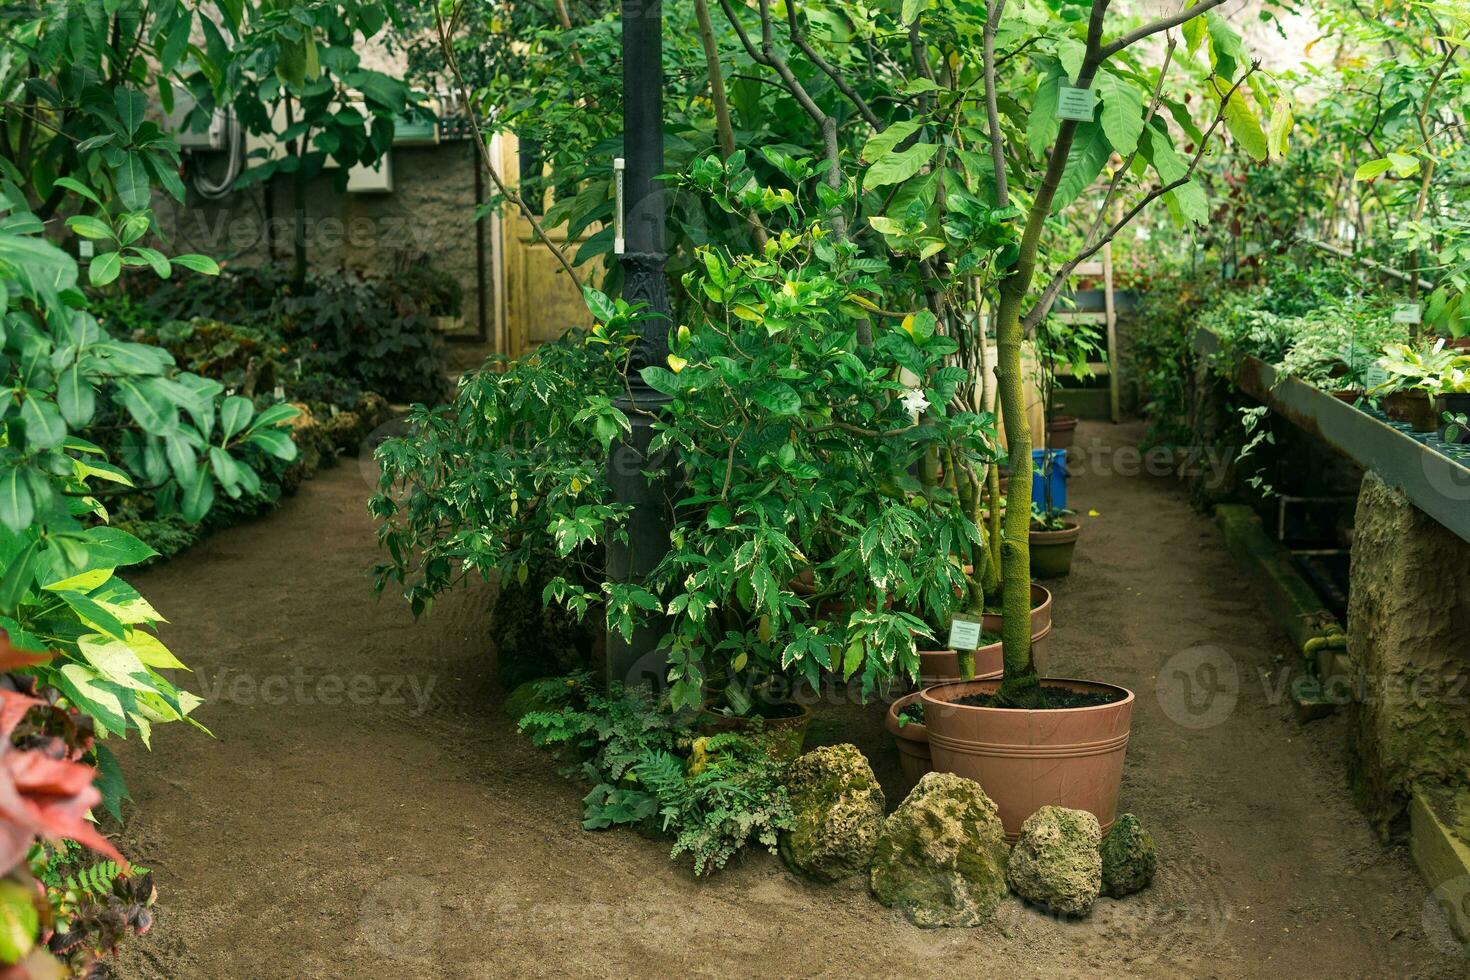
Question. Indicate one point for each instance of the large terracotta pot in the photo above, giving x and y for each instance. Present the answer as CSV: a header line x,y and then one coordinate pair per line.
x,y
912,738
1028,759
942,666
1051,551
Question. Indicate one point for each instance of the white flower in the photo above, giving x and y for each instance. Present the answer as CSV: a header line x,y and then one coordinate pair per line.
x,y
915,402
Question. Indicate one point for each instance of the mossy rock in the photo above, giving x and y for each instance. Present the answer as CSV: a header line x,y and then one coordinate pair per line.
x,y
1056,863
1129,858
522,701
941,858
837,809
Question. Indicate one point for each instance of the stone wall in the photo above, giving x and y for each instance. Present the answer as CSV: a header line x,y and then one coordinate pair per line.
x,y
1409,642
429,215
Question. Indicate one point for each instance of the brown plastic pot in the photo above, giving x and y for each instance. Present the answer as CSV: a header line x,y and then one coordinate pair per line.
x,y
1027,759
913,740
1349,395
1411,405
784,738
1051,551
1061,431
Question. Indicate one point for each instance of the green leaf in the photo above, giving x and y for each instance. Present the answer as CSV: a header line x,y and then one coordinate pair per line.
x,y
1278,131
45,428
234,415
104,268
76,397
111,547
1089,154
1404,164
1042,126
197,263
601,308
1371,169
1241,120
156,259
1189,198
93,614
77,187
661,379
880,144
1122,111
912,9
895,168
17,579
132,108
89,226
198,496
110,782
275,442
132,182
777,397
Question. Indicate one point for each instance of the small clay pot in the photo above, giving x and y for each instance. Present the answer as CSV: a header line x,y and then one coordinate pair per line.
x,y
1411,405
1051,551
1349,395
783,737
1061,431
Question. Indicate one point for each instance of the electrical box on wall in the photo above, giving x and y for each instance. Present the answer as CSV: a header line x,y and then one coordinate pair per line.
x,y
372,180
211,137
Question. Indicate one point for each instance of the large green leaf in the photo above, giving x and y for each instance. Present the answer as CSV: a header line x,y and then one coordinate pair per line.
x,y
1122,111
1089,154
1241,120
132,182
897,167
1042,126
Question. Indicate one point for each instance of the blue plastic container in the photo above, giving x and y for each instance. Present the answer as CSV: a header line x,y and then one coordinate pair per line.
x,y
1050,471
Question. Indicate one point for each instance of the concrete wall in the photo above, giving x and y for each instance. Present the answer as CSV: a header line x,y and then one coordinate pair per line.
x,y
1409,641
429,214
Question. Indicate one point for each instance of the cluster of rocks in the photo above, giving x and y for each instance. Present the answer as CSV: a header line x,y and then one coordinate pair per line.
x,y
321,439
941,857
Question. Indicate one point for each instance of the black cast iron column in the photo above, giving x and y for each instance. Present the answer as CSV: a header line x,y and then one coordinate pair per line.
x,y
644,281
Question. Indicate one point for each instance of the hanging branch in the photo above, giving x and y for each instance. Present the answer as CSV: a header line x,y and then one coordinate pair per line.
x,y
723,126
451,60
1163,24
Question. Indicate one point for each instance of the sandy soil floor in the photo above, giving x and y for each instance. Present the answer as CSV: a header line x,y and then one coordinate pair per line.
x,y
365,811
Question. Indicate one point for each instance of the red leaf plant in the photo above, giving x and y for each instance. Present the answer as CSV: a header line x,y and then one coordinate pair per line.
x,y
44,790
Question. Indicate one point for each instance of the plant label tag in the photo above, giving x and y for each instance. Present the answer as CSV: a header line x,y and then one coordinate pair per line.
x,y
1075,104
1407,313
1375,376
280,393
84,249
964,634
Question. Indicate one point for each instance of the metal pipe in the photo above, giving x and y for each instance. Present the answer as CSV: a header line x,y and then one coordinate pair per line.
x,y
650,517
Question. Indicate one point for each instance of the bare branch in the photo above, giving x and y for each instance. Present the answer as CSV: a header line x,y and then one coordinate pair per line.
x,y
992,111
1163,24
451,60
798,37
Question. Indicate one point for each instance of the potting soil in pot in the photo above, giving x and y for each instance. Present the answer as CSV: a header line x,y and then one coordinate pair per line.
x,y
1052,698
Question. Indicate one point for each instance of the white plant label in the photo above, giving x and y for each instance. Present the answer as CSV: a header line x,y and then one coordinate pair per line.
x,y
1075,104
964,634
1375,375
1407,313
84,249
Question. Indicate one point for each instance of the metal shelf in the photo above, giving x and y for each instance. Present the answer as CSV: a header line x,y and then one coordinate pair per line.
x,y
1433,481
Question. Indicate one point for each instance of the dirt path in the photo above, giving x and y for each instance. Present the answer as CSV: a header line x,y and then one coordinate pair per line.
x,y
336,828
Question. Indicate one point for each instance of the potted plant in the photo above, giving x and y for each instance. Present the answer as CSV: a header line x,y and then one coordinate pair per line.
x,y
1053,541
1029,741
1415,375
1063,346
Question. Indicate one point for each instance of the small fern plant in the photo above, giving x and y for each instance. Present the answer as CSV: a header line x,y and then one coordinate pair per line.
x,y
730,796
